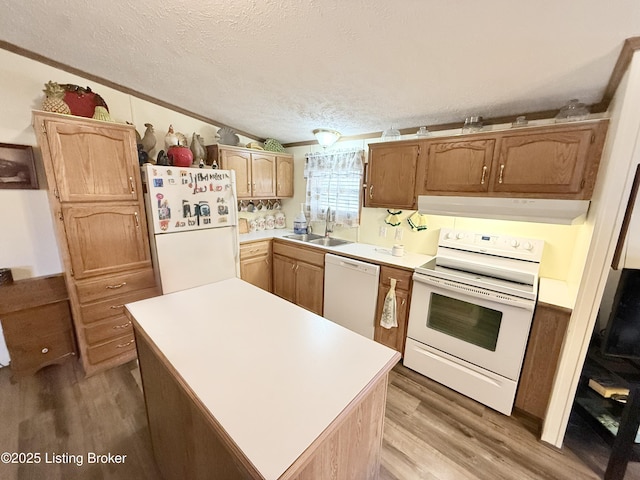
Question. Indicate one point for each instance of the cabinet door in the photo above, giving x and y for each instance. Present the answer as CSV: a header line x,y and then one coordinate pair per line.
x,y
105,239
392,337
263,175
457,166
310,287
391,176
541,358
93,162
284,278
284,176
255,264
240,162
547,162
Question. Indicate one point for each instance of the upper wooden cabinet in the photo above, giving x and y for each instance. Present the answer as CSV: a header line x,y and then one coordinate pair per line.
x,y
92,162
549,161
284,176
391,175
458,165
258,174
552,161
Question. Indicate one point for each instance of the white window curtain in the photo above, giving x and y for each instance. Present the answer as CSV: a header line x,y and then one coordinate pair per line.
x,y
334,180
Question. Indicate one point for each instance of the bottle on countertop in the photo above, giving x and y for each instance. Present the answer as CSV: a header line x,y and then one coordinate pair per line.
x,y
300,222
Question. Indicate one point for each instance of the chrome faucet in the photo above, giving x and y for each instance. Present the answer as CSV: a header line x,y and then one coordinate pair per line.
x,y
328,224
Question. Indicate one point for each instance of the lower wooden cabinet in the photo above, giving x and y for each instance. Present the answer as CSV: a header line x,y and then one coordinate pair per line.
x,y
548,330
298,275
36,320
255,263
394,337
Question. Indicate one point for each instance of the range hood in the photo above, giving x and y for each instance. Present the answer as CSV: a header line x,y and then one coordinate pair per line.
x,y
566,212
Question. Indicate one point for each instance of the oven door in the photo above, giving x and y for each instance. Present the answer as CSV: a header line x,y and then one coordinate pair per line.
x,y
482,327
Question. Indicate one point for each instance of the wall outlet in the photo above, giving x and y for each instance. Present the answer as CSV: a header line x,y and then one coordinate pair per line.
x,y
398,235
382,232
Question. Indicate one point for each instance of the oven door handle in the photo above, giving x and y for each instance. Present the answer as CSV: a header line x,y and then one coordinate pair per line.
x,y
475,292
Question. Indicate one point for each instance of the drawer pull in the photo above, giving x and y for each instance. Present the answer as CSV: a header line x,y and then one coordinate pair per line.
x,y
123,345
124,325
114,307
45,350
113,287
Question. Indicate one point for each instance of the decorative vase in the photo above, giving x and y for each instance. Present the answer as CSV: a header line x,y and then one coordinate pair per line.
x,y
180,156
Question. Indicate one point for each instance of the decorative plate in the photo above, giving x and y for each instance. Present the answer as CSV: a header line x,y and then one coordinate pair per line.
x,y
227,136
82,101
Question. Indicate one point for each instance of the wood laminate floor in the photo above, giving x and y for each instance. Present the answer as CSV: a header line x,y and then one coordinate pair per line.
x,y
430,432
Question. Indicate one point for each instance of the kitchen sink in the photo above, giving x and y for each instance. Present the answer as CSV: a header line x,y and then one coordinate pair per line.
x,y
305,237
329,242
318,239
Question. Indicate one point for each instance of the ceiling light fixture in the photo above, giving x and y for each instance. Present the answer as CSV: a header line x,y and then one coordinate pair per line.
x,y
326,138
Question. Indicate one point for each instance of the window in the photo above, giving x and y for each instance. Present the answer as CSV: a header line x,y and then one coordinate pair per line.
x,y
334,180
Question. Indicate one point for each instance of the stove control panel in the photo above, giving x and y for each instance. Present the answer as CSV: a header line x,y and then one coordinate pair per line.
x,y
492,244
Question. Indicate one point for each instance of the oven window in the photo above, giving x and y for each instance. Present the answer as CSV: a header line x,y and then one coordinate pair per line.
x,y
466,321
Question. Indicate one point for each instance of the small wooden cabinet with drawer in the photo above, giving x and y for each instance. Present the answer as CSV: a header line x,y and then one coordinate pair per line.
x,y
255,263
36,321
394,337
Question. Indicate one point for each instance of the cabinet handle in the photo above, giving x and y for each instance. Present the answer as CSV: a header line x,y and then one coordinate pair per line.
x,y
113,287
501,170
45,350
484,174
403,302
248,187
371,192
118,327
137,219
122,345
133,190
293,267
114,307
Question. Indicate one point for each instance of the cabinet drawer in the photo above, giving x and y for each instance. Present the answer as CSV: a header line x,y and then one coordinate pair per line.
x,y
112,306
111,349
403,277
39,322
41,351
102,331
309,255
89,291
254,249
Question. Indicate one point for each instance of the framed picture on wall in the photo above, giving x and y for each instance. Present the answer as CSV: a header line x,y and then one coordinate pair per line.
x,y
17,167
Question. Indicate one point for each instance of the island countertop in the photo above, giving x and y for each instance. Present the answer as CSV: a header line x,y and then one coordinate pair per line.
x,y
273,375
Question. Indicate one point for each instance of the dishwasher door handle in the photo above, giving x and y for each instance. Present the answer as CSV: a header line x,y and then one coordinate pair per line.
x,y
344,263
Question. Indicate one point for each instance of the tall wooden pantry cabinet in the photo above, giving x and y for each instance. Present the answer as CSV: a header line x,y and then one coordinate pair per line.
x,y
95,194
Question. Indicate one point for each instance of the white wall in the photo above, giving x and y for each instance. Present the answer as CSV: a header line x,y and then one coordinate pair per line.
x,y
620,158
27,241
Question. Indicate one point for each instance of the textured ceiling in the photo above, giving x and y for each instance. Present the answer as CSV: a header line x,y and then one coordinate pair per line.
x,y
280,68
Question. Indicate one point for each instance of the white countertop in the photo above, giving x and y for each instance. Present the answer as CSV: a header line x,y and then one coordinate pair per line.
x,y
361,251
273,374
553,292
556,292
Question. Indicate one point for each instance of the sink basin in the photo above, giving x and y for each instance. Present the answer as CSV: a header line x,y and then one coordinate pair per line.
x,y
305,237
329,242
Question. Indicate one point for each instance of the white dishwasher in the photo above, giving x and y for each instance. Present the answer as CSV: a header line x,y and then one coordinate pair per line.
x,y
351,293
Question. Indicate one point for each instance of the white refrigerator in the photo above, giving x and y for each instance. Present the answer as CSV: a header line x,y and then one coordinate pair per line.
x,y
193,218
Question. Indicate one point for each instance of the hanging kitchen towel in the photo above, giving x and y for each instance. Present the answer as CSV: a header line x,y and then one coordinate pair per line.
x,y
417,222
389,318
392,219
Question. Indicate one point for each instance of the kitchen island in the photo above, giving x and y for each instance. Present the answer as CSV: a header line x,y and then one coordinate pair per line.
x,y
239,383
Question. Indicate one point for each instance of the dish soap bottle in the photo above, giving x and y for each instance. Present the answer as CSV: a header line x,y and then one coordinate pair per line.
x,y
300,222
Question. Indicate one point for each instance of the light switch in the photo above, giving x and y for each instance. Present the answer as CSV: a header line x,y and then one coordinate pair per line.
x,y
382,232
399,232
